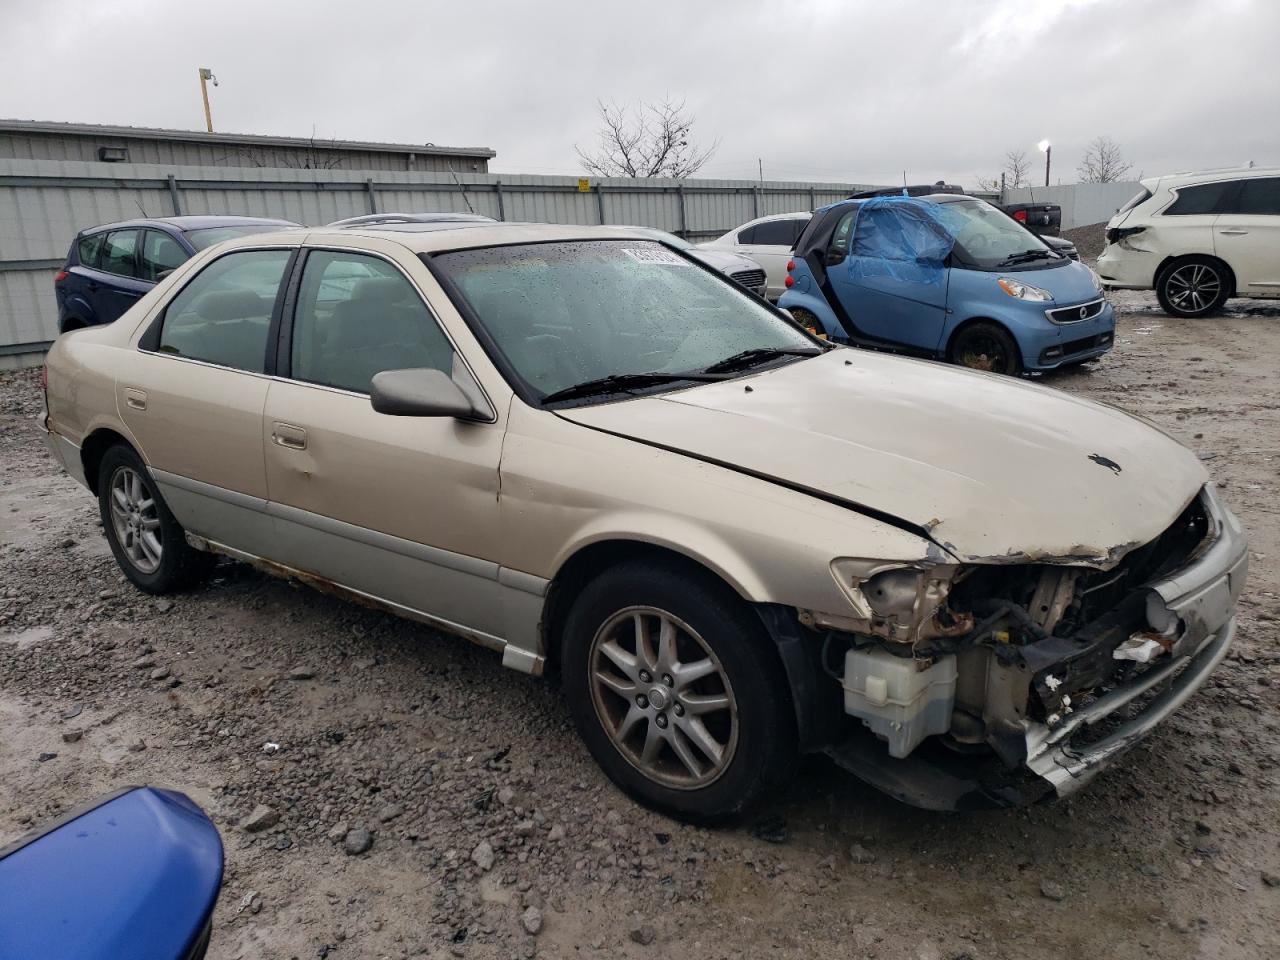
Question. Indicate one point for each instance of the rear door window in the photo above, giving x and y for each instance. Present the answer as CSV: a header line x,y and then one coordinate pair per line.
x,y
840,236
747,236
1260,196
780,233
223,315
1206,198
120,253
160,254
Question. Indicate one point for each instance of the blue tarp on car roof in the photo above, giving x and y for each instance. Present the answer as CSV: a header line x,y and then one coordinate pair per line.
x,y
903,238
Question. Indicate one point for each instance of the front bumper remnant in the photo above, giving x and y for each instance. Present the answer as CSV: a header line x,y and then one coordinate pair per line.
x,y
1196,603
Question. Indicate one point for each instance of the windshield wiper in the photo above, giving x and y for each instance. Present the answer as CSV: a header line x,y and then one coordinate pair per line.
x,y
622,383
1025,256
749,358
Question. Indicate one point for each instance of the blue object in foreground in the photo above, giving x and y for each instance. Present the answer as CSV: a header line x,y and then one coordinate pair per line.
x,y
133,876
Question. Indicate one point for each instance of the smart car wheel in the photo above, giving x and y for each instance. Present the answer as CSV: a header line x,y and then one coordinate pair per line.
x,y
809,320
1193,287
675,691
986,346
146,540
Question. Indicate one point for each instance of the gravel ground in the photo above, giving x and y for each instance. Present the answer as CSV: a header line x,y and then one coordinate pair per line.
x,y
1089,240
423,802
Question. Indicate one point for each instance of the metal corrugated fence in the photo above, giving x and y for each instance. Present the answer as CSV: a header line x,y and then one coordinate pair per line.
x,y
44,203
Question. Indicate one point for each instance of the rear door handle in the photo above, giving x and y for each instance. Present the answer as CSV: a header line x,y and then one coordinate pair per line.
x,y
135,399
288,435
1233,233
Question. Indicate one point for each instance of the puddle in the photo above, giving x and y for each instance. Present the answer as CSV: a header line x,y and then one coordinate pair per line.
x,y
28,638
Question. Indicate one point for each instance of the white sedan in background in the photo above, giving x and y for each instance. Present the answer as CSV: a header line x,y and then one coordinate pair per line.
x,y
743,271
767,241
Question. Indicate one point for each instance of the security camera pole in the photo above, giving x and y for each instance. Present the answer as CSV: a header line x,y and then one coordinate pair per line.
x,y
205,76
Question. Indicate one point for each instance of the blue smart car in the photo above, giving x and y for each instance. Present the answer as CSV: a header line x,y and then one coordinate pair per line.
x,y
110,267
948,277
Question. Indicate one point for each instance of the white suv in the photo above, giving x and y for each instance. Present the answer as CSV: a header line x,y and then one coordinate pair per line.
x,y
767,241
1197,239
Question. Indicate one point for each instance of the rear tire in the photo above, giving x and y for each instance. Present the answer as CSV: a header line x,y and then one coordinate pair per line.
x,y
676,692
148,543
986,346
1193,287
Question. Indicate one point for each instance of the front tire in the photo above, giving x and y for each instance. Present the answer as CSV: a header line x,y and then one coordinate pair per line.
x,y
148,543
1193,287
987,346
675,691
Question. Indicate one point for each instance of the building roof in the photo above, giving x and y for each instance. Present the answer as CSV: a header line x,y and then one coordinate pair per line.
x,y
59,128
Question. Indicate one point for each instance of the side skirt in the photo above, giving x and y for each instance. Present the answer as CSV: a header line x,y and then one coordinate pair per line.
x,y
512,657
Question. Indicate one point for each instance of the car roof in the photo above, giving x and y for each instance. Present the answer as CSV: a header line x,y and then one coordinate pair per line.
x,y
401,218
1210,176
192,223
795,215
442,236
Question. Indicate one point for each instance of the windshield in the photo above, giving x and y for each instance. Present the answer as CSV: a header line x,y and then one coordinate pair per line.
x,y
986,237
562,314
208,236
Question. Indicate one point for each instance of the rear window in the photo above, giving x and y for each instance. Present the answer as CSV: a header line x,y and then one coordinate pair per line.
x,y
1142,196
202,239
88,249
1204,198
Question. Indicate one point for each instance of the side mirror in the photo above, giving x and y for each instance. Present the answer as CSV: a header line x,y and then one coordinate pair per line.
x,y
165,273
421,392
835,257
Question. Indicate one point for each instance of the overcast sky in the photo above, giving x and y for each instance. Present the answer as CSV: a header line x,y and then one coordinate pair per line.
x,y
817,89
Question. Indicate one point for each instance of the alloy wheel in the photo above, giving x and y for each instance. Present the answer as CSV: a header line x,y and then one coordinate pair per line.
x,y
663,697
1193,287
135,519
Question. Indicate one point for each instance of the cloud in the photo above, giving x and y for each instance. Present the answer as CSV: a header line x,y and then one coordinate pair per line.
x,y
819,90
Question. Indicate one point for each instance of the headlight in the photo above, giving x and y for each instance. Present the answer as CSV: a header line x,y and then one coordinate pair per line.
x,y
1023,291
898,602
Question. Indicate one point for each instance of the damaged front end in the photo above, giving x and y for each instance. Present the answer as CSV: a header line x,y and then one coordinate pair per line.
x,y
1002,683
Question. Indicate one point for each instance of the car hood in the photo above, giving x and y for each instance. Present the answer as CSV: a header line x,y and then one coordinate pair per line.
x,y
991,468
723,261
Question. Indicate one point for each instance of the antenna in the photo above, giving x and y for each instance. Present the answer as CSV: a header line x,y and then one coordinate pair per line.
x,y
465,198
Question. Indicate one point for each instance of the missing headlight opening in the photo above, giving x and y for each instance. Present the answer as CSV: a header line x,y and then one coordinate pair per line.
x,y
978,654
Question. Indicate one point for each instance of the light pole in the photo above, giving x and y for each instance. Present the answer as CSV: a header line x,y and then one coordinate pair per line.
x,y
1047,149
206,75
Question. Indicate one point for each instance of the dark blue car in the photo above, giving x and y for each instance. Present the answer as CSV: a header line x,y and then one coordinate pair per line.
x,y
109,267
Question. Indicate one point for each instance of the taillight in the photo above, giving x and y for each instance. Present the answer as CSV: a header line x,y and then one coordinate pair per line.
x,y
1020,216
1116,234
791,265
60,276
790,281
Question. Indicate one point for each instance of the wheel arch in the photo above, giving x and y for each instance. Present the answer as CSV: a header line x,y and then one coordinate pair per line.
x,y
798,658
94,447
974,321
1172,259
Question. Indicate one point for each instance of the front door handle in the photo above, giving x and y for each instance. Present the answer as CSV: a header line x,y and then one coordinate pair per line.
x,y
288,435
135,399
1233,233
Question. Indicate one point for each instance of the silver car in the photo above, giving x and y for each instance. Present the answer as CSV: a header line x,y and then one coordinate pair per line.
x,y
731,542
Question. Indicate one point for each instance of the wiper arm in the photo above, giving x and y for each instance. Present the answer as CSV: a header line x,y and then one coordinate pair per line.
x,y
621,383
1025,256
749,358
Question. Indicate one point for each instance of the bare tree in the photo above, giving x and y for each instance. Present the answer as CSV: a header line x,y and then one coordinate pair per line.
x,y
649,140
989,184
1016,168
1103,162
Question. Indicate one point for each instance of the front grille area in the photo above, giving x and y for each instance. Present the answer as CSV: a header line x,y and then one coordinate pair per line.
x,y
1071,347
1081,311
751,279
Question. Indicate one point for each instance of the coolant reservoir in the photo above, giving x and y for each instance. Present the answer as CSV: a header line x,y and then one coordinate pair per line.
x,y
901,703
